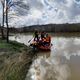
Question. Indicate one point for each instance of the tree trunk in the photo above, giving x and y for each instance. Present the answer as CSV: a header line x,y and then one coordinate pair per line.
x,y
2,27
7,38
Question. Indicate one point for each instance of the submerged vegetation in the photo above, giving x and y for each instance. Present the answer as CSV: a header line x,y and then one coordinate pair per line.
x,y
15,60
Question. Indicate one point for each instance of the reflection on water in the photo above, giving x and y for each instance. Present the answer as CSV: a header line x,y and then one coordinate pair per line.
x,y
75,67
62,63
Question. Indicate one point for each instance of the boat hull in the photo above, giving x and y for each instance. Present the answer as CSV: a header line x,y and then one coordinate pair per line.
x,y
41,47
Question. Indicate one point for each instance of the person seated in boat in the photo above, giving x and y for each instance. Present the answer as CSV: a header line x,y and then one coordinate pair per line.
x,y
45,38
48,39
41,38
36,36
42,35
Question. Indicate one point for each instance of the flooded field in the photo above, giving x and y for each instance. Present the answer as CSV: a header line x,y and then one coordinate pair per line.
x,y
61,63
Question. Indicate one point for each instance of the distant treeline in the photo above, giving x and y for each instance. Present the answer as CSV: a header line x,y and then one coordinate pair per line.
x,y
48,28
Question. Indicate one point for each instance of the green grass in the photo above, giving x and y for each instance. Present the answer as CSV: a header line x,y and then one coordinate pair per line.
x,y
15,60
11,46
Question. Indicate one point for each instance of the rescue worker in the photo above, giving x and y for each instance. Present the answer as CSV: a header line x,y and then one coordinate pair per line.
x,y
42,34
36,37
42,38
48,39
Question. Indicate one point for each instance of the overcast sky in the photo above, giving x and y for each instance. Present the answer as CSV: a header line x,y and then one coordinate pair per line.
x,y
31,12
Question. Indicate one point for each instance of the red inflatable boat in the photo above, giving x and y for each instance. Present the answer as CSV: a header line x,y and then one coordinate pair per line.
x,y
41,46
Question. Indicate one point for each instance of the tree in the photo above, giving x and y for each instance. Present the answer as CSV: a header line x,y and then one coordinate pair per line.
x,y
7,37
21,7
2,27
8,5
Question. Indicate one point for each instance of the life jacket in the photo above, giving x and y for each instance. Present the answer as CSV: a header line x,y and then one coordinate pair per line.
x,y
43,39
48,39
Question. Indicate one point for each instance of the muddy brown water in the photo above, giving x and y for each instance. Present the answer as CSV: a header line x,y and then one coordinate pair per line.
x,y
61,63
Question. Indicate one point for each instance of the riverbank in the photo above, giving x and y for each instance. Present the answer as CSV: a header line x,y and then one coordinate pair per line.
x,y
15,60
66,34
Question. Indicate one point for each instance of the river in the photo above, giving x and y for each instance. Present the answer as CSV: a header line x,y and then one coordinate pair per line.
x,y
61,63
